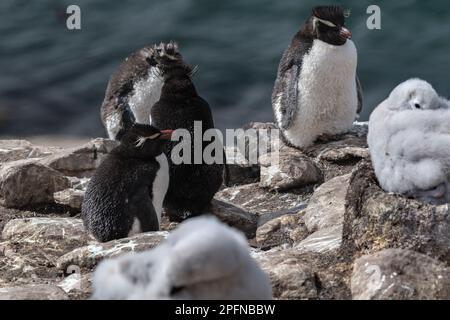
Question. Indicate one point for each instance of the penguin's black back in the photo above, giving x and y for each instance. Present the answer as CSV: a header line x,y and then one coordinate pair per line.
x,y
121,84
119,192
191,186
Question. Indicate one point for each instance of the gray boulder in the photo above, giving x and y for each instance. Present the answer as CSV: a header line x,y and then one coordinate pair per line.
x,y
33,292
81,161
376,220
88,257
28,182
293,170
396,274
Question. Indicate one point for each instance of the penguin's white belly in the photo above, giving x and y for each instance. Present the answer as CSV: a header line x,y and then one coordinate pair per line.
x,y
113,125
160,185
146,93
328,98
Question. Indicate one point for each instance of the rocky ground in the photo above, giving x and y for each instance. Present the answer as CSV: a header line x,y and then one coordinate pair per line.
x,y
318,224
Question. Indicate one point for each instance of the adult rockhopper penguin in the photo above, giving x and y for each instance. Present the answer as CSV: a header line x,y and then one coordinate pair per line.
x,y
136,87
317,92
192,186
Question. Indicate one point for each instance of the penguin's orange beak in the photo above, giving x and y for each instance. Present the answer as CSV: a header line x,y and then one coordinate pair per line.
x,y
166,134
347,34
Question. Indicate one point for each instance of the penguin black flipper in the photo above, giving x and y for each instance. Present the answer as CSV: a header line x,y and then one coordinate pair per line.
x,y
360,95
286,92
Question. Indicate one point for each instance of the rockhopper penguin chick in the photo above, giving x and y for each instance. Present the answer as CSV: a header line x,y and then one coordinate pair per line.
x,y
126,193
135,86
317,92
192,186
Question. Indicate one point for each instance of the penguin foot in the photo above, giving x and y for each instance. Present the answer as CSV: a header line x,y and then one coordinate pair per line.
x,y
325,138
436,196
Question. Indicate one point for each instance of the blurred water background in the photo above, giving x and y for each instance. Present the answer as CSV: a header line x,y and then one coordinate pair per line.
x,y
52,80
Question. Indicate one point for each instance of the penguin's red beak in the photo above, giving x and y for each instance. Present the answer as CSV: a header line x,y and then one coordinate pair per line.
x,y
166,134
347,34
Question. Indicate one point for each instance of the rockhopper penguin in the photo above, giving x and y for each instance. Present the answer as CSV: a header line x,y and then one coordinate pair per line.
x,y
317,92
136,86
192,186
126,193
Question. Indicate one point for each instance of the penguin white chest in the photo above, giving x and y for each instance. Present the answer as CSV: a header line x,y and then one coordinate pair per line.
x,y
328,98
146,93
160,185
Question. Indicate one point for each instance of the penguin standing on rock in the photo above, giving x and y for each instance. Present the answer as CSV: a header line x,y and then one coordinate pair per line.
x,y
192,186
317,92
134,86
126,193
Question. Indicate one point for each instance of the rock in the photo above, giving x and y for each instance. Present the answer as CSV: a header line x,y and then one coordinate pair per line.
x,y
339,156
239,170
13,150
82,161
235,216
79,183
376,220
33,292
293,170
291,278
396,274
88,256
27,182
322,241
63,233
326,208
344,154
70,197
268,204
77,285
284,230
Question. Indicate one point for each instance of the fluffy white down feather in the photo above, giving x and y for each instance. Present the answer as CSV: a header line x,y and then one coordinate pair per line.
x,y
202,259
410,146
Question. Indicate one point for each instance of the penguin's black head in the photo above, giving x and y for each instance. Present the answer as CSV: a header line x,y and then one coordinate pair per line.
x,y
144,141
169,60
327,23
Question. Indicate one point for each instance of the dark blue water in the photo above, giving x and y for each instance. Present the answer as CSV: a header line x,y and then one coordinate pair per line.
x,y
52,80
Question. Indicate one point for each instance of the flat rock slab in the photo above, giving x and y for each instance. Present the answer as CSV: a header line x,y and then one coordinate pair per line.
x,y
33,292
81,161
258,200
322,241
28,182
326,208
281,231
396,274
338,156
288,169
57,232
72,198
13,150
297,275
235,216
88,257
291,278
